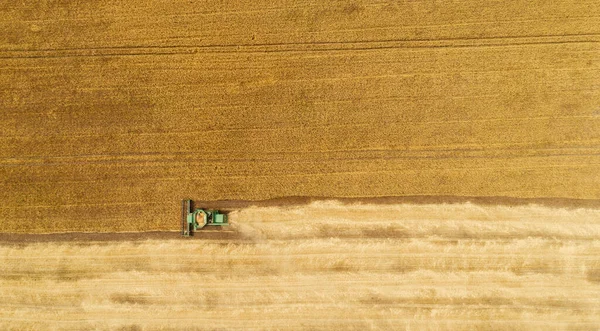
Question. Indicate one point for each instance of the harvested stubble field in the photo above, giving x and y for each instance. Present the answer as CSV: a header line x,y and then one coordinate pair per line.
x,y
326,266
112,111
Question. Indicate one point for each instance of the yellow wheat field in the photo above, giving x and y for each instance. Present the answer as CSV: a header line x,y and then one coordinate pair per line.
x,y
112,111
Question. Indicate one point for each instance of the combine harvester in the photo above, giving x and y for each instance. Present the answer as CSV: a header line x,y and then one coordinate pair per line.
x,y
199,218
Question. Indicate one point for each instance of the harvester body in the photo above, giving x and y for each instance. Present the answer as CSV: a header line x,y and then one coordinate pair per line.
x,y
193,220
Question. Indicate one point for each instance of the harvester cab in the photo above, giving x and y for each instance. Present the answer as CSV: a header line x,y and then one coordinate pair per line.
x,y
192,221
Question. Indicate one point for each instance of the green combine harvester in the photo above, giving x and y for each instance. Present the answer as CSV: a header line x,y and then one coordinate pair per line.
x,y
199,218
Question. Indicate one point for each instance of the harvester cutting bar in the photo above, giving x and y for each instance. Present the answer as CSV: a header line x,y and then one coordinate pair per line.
x,y
185,210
